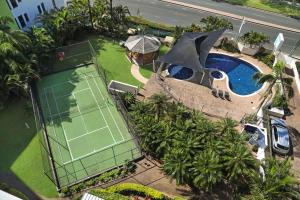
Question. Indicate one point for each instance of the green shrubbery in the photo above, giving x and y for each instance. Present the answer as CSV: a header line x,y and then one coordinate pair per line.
x,y
229,45
145,22
132,188
103,178
235,2
124,190
254,38
267,58
108,195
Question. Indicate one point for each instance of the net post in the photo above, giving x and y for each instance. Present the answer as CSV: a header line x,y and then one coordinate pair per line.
x,y
114,155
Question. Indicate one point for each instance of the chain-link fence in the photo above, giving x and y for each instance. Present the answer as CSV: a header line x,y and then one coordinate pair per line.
x,y
66,174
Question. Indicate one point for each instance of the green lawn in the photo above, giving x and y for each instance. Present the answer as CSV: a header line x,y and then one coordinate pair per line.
x,y
113,60
147,70
20,150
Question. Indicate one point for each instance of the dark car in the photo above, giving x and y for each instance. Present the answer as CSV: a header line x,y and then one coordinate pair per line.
x,y
280,136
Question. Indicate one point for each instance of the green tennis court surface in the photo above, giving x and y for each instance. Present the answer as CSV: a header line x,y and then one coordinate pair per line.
x,y
86,132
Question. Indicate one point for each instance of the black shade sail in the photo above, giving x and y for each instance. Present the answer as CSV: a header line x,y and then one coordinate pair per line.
x,y
192,49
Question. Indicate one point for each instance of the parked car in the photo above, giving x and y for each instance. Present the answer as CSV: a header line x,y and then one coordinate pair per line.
x,y
280,136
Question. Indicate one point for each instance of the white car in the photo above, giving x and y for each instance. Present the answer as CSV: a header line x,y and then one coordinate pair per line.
x,y
280,136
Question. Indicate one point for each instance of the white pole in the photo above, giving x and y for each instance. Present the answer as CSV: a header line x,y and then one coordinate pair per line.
x,y
242,24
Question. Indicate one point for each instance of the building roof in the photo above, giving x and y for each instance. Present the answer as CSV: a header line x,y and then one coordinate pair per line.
x,y
192,49
88,196
7,196
142,44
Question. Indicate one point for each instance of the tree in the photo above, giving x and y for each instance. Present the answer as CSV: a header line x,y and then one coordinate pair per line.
x,y
42,42
277,183
206,170
61,24
276,77
159,104
212,23
17,63
177,166
254,38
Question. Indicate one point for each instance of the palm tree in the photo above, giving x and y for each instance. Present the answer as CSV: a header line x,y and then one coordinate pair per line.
x,y
128,99
159,104
277,184
226,126
16,62
212,23
276,77
61,24
206,170
42,42
239,163
176,166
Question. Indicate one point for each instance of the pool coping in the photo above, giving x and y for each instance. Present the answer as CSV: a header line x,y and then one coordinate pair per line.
x,y
188,79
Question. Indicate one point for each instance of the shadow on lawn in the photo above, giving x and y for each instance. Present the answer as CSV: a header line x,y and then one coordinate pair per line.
x,y
15,137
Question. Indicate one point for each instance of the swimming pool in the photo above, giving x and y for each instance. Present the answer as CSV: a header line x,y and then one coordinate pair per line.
x,y
239,72
180,72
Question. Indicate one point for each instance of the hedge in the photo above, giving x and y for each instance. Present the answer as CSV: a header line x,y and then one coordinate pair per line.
x,y
108,195
12,191
132,188
145,22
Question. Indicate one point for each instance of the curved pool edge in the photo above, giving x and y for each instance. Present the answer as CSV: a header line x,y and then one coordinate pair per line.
x,y
188,79
227,82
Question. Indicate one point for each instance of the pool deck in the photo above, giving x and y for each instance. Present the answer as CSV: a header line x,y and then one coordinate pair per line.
x,y
199,97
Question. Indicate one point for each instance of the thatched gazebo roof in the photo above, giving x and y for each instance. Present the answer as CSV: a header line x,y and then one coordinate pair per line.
x,y
142,44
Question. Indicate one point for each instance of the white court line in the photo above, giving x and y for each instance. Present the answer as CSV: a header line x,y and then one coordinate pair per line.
x,y
110,111
59,97
80,116
87,133
95,151
53,126
100,109
63,127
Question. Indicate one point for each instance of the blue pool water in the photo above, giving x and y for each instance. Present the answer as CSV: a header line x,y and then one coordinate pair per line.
x,y
239,72
180,72
217,74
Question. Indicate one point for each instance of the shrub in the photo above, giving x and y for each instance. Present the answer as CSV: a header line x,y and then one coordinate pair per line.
x,y
132,188
279,100
90,182
13,191
78,187
235,2
145,22
229,45
254,38
108,195
109,176
266,58
66,191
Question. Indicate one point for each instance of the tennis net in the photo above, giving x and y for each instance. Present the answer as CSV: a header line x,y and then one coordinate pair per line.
x,y
75,111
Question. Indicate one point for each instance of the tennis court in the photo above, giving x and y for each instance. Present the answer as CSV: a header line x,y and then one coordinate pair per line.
x,y
87,134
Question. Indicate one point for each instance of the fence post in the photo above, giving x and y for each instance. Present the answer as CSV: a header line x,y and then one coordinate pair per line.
x,y
114,155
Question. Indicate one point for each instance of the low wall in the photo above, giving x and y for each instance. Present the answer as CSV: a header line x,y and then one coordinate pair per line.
x,y
122,87
291,62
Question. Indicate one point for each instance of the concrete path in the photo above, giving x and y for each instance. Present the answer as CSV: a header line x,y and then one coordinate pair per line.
x,y
135,71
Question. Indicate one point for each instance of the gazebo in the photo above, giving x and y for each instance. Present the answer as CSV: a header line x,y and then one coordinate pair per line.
x,y
142,49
